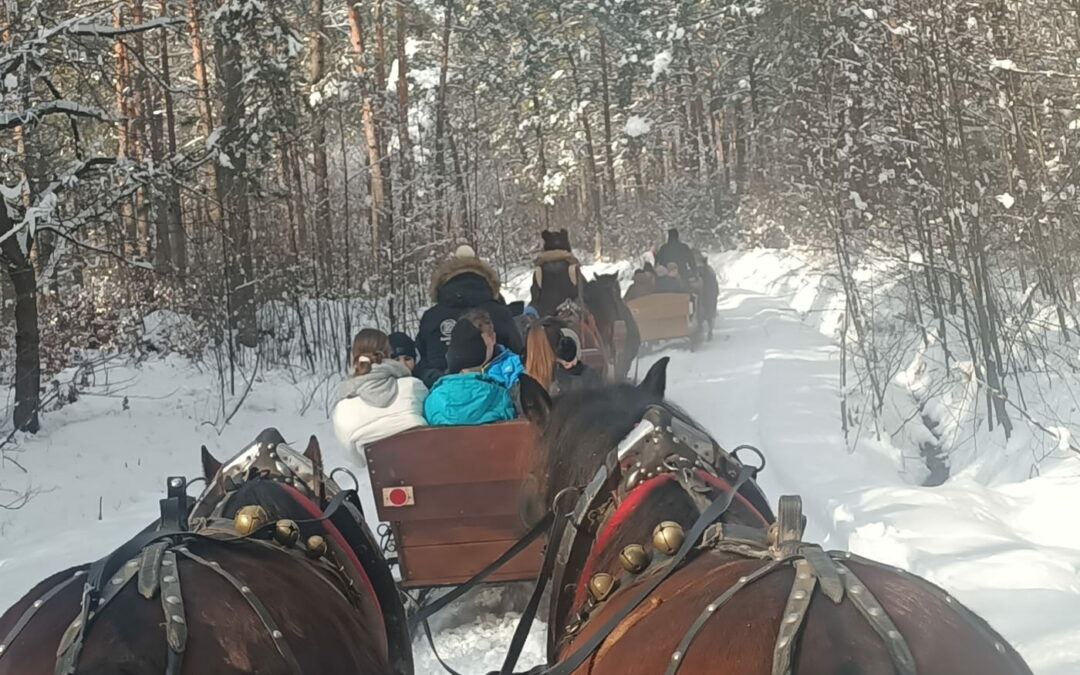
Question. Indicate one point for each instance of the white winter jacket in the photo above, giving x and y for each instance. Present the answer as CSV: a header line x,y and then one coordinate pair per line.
x,y
380,404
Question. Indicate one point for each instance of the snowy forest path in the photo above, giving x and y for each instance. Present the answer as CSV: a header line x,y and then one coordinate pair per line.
x,y
772,379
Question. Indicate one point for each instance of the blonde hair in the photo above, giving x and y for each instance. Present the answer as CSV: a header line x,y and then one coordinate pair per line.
x,y
539,356
370,346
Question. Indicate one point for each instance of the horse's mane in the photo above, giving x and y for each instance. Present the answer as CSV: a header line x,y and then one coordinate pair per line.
x,y
584,426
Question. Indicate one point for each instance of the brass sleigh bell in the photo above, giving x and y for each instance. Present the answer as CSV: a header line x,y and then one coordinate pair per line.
x,y
634,558
668,537
249,518
286,532
601,585
316,546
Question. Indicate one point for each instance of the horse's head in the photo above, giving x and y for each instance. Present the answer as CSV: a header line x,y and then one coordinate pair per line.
x,y
608,282
576,431
268,473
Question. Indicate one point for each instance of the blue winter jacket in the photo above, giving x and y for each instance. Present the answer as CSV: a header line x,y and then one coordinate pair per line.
x,y
466,399
505,368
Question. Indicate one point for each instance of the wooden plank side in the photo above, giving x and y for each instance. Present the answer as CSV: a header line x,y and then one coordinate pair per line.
x,y
456,530
449,455
453,564
464,501
662,316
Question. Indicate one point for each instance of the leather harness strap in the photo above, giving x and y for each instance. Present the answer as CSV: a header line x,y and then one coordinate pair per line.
x,y
879,620
36,605
707,518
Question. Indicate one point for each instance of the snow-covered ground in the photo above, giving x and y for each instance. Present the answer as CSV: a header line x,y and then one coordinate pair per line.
x,y
1000,541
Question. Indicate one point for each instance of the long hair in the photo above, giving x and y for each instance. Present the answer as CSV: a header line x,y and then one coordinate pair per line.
x,y
370,346
539,356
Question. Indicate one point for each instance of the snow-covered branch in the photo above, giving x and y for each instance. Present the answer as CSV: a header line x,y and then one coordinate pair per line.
x,y
98,30
18,118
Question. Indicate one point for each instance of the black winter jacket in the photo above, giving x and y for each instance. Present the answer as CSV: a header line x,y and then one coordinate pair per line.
x,y
457,295
679,253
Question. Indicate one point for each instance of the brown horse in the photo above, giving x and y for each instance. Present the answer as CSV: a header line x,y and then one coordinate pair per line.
x,y
603,299
300,592
746,598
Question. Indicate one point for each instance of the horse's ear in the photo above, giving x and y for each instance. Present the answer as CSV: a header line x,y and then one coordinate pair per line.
x,y
210,466
535,402
313,452
655,381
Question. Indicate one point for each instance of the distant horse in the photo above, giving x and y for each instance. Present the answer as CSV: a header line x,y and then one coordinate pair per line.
x,y
295,594
635,597
603,299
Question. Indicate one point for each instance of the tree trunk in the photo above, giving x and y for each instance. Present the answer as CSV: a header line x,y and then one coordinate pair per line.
x,y
316,72
371,138
235,192
610,198
404,140
174,215
20,271
440,123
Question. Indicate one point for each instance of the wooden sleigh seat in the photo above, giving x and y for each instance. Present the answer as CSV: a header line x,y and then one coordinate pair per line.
x,y
663,316
451,496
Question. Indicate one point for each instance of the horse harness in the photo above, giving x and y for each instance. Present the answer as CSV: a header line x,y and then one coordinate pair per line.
x,y
666,443
151,559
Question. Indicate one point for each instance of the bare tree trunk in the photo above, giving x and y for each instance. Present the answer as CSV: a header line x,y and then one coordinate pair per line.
x,y
316,72
610,198
121,85
137,89
371,139
235,193
440,122
404,140
20,270
174,216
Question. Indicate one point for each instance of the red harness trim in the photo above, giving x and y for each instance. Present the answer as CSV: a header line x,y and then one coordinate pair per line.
x,y
334,533
628,506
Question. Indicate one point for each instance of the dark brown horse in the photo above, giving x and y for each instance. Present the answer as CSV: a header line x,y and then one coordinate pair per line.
x,y
744,599
603,299
278,600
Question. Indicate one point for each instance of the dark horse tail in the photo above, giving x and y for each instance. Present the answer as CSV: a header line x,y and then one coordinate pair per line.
x,y
539,356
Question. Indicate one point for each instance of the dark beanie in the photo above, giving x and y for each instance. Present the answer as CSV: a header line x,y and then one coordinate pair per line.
x,y
567,350
402,345
467,348
673,234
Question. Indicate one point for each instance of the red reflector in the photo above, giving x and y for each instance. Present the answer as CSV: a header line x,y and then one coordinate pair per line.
x,y
398,496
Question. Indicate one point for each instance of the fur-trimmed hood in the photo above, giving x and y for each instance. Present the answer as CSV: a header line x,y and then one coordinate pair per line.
x,y
556,256
448,269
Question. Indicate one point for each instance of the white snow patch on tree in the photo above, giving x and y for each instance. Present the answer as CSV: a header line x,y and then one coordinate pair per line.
x,y
660,64
636,125
11,82
1002,64
426,78
858,200
1006,200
